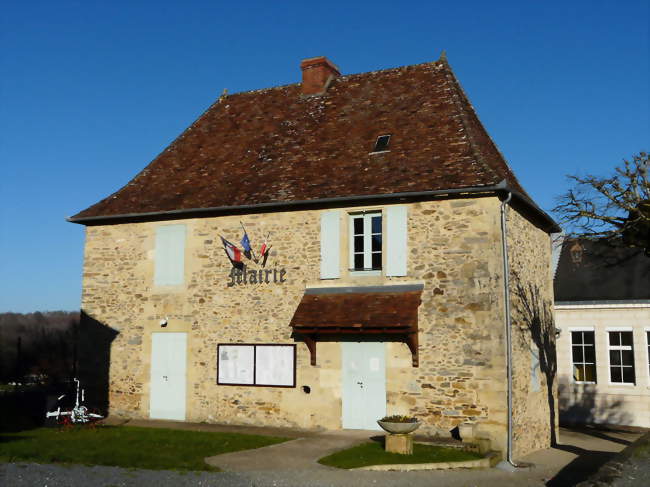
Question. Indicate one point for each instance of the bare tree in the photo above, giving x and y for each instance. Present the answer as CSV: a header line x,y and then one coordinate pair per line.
x,y
615,208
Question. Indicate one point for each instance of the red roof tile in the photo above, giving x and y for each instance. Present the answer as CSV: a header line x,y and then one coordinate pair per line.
x,y
277,146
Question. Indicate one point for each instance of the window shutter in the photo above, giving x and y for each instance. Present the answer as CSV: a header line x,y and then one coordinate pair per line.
x,y
396,217
330,245
170,255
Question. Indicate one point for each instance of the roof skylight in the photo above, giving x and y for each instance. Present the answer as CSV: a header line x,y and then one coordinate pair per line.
x,y
381,145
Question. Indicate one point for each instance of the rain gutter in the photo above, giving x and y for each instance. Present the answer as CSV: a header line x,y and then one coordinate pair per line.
x,y
507,319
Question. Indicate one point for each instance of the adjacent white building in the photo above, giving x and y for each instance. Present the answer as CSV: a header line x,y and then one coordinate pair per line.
x,y
602,308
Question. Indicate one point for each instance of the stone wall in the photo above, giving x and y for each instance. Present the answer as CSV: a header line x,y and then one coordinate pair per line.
x,y
454,250
533,335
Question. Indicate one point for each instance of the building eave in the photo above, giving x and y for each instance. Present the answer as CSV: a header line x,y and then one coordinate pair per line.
x,y
315,203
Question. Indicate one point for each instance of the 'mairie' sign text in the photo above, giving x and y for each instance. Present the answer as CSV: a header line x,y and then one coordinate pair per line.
x,y
251,276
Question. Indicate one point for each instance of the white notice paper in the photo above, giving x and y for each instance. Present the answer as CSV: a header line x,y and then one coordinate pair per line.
x,y
274,365
235,363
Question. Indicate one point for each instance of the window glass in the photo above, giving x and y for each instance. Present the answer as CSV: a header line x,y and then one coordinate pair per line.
x,y
628,375
382,143
358,244
577,354
376,224
583,356
376,243
626,338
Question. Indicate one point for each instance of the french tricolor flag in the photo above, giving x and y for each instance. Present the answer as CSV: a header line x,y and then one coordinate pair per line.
x,y
233,253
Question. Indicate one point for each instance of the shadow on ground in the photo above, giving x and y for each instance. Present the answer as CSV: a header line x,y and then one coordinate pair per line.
x,y
581,468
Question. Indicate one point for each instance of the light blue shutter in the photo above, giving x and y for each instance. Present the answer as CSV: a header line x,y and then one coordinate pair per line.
x,y
170,255
396,248
330,243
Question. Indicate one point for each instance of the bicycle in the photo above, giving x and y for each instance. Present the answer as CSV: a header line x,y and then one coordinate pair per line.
x,y
79,414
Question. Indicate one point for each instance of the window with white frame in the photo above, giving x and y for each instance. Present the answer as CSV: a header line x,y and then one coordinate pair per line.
x,y
366,241
583,352
621,357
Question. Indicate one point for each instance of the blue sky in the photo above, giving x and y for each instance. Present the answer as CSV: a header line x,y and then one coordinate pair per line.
x,y
90,92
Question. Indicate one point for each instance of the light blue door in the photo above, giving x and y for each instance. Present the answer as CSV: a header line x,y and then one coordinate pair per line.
x,y
168,368
363,384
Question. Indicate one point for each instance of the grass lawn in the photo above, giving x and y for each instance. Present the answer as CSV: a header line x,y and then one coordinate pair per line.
x,y
373,453
125,446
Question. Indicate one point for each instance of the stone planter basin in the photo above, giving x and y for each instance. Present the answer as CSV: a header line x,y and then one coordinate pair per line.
x,y
398,428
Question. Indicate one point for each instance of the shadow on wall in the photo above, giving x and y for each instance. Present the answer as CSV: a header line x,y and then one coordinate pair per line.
x,y
536,313
94,359
582,405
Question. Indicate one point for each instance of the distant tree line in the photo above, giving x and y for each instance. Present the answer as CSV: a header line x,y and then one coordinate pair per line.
x,y
40,344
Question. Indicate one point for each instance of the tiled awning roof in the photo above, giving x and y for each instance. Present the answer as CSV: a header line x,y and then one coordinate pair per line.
x,y
380,310
358,308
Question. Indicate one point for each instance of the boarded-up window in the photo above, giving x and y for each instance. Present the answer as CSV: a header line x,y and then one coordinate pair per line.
x,y
170,255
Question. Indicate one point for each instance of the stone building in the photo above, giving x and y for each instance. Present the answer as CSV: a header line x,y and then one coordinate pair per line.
x,y
602,307
380,197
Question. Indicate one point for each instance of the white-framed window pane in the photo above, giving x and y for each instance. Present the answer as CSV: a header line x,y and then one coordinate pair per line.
x,y
621,357
366,243
583,355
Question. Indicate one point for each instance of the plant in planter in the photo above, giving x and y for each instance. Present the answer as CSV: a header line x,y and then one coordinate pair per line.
x,y
399,425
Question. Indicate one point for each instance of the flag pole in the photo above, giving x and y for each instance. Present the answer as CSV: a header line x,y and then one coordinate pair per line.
x,y
255,259
266,249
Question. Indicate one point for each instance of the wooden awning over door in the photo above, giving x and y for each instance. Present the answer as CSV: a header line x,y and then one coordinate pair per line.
x,y
365,311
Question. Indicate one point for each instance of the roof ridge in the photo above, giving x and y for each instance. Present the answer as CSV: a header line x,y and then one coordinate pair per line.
x,y
343,77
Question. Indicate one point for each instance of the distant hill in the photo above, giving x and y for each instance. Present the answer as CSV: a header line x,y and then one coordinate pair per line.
x,y
38,343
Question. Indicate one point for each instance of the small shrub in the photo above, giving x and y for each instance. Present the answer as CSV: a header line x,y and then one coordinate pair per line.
x,y
396,418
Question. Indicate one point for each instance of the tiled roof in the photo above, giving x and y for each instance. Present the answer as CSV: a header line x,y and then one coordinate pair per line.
x,y
388,310
601,272
277,146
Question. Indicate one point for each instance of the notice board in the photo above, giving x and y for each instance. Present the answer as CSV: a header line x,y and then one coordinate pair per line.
x,y
270,365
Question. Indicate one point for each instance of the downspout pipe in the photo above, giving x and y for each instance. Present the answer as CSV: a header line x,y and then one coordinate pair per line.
x,y
507,323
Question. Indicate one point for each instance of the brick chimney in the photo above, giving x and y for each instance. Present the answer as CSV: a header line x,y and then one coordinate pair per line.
x,y
317,73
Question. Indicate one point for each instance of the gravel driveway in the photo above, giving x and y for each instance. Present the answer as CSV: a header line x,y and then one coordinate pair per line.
x,y
29,474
